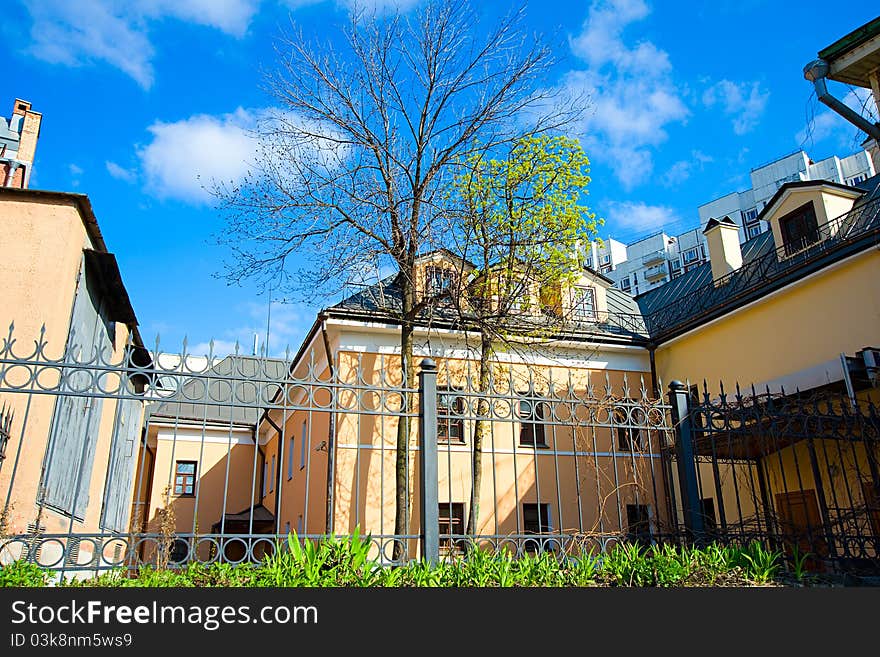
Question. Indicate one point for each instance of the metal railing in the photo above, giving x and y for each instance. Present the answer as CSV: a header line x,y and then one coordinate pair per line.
x,y
216,459
797,471
849,228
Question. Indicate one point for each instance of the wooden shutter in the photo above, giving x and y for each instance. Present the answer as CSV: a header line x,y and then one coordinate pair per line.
x,y
120,471
71,450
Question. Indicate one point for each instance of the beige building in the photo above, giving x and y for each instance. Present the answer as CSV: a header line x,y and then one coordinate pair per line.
x,y
69,459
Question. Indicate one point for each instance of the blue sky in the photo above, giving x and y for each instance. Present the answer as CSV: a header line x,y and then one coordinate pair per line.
x,y
146,101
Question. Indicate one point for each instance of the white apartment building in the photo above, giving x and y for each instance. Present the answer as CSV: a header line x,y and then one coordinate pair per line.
x,y
604,257
658,258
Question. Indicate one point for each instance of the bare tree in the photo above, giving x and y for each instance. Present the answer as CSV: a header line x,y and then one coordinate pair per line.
x,y
350,168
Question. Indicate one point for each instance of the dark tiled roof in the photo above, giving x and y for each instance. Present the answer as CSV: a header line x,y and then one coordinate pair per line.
x,y
693,299
382,301
260,379
699,277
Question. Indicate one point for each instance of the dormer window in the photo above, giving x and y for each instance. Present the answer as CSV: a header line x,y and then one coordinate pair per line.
x,y
583,303
438,279
799,228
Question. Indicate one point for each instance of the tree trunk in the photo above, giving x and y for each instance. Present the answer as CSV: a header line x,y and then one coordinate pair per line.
x,y
401,502
480,427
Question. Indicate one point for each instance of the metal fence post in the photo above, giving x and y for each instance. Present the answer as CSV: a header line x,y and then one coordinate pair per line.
x,y
429,496
679,400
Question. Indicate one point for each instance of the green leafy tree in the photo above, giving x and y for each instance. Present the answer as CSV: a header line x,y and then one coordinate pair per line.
x,y
521,221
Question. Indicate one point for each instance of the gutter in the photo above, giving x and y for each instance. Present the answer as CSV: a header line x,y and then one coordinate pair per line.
x,y
817,72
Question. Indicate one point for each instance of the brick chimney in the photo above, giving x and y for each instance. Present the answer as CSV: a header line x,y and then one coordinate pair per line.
x,y
725,254
17,169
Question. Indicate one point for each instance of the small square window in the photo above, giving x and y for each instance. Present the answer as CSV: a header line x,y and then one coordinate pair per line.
x,y
536,520
532,415
451,527
438,279
185,478
450,416
638,518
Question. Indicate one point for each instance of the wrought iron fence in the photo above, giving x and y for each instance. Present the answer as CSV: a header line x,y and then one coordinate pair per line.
x,y
120,462
797,471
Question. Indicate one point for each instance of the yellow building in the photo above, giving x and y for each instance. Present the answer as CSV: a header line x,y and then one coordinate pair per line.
x,y
68,457
541,474
793,318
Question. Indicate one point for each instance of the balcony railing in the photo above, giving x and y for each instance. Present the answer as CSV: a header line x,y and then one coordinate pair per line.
x,y
654,273
858,223
653,258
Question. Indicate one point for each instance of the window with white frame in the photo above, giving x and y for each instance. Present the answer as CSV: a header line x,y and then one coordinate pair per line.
x,y
583,303
750,215
754,231
532,415
450,416
606,259
689,256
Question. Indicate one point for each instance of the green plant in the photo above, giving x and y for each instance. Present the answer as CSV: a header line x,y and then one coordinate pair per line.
x,y
582,570
671,566
759,563
798,563
22,573
626,565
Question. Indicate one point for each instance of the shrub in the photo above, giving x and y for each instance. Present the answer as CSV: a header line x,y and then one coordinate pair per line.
x,y
22,573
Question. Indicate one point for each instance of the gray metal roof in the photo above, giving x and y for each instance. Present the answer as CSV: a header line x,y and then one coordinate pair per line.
x,y
247,381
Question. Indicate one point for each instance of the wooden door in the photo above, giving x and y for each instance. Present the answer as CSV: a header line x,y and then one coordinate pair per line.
x,y
801,525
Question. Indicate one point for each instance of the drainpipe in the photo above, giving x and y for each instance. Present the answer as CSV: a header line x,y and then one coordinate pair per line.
x,y
13,167
331,443
816,72
654,387
278,471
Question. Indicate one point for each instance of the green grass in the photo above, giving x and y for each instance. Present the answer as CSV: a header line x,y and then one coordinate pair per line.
x,y
346,562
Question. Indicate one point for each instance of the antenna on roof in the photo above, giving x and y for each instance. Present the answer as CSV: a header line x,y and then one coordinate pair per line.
x,y
256,342
268,322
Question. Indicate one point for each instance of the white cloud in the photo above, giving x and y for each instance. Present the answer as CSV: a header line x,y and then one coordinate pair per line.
x,y
75,170
744,102
116,31
680,171
631,89
120,173
229,16
288,324
638,217
185,157
676,174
